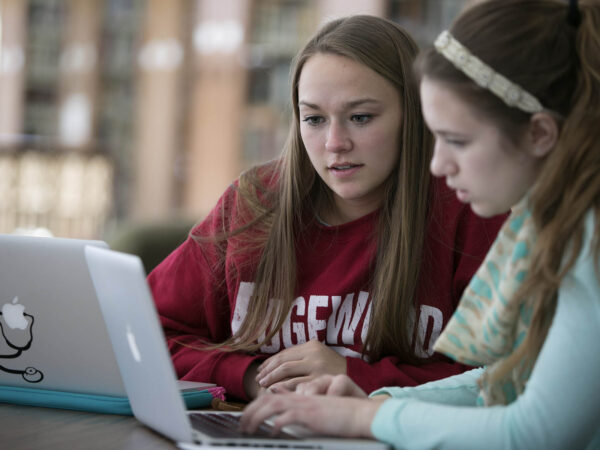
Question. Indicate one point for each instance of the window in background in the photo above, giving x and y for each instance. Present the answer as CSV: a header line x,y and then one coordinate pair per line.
x,y
278,31
118,55
44,41
424,19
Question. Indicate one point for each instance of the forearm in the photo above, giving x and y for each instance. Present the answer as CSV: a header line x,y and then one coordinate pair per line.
x,y
407,423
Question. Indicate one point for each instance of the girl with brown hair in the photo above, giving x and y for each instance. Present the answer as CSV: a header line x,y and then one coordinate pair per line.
x,y
341,257
511,94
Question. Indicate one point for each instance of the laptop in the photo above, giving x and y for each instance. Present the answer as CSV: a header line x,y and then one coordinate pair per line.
x,y
148,374
53,334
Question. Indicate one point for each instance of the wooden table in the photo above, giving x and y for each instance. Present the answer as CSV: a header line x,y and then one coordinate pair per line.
x,y
27,427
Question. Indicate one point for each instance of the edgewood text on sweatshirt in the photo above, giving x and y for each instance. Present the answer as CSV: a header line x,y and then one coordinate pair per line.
x,y
202,293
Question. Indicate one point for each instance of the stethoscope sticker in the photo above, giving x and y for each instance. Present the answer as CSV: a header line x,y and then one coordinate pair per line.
x,y
16,326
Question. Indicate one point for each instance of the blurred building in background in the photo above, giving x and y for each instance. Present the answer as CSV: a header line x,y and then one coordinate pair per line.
x,y
117,112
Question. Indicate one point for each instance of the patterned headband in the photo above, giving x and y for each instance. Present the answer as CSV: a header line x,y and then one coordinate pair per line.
x,y
510,93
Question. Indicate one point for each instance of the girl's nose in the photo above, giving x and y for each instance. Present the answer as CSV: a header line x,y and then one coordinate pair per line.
x,y
442,163
338,139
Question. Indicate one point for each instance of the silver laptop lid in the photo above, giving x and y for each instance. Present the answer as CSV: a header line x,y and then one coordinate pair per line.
x,y
145,363
139,343
53,333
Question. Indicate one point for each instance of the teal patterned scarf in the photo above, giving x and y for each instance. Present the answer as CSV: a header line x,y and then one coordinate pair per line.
x,y
490,323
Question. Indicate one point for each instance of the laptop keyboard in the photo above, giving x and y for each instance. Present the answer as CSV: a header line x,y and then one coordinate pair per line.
x,y
223,425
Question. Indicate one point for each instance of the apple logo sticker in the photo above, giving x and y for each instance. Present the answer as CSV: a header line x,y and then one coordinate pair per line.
x,y
14,315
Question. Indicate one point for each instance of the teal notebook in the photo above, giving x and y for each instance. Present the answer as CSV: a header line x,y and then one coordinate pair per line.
x,y
88,402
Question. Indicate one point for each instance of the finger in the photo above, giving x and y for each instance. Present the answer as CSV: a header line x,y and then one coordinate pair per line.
x,y
247,415
271,363
290,369
257,412
267,363
288,417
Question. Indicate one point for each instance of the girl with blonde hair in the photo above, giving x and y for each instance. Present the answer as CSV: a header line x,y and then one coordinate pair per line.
x,y
343,256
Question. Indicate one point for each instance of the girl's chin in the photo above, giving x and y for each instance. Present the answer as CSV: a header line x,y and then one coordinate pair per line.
x,y
484,210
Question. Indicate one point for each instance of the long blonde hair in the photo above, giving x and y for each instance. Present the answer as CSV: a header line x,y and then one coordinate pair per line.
x,y
278,210
553,52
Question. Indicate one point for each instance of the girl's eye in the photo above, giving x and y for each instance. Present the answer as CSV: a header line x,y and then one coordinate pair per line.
x,y
361,118
458,143
313,120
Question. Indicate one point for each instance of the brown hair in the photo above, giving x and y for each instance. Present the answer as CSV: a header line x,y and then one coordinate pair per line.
x,y
535,45
279,216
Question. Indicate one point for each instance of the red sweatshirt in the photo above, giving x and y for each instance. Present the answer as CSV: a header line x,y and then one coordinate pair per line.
x,y
199,297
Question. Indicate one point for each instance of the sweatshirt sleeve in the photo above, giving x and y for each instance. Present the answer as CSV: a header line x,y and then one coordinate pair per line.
x,y
559,408
192,298
458,390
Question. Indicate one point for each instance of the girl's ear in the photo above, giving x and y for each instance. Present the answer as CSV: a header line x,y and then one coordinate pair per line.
x,y
543,134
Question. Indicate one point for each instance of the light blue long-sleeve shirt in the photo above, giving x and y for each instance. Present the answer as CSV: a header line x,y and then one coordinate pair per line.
x,y
559,409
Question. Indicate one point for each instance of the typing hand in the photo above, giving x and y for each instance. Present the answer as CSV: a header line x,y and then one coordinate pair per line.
x,y
337,416
299,364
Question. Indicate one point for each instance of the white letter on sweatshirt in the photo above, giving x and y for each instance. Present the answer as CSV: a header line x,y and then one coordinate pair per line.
x,y
314,325
241,305
299,330
342,317
421,349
